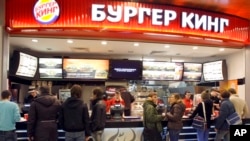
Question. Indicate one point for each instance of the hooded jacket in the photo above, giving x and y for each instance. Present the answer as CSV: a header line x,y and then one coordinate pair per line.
x,y
43,109
74,116
151,119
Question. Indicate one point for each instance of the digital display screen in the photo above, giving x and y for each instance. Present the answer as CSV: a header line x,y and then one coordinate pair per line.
x,y
214,71
27,65
125,69
85,68
50,67
162,71
192,72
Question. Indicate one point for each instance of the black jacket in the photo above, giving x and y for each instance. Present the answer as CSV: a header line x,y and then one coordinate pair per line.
x,y
74,116
43,115
98,116
208,109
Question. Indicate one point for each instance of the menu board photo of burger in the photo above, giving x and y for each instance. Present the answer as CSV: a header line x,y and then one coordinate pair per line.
x,y
85,68
192,71
162,71
50,67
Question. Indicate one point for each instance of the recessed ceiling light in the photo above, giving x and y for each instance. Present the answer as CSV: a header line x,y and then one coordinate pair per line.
x,y
136,44
70,41
195,47
104,42
222,49
167,46
34,40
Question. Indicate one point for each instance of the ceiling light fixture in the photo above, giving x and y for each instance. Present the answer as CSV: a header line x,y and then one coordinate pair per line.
x,y
70,41
104,42
34,40
195,48
167,46
222,49
136,44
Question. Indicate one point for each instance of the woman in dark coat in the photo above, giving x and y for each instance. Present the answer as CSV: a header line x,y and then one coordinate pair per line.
x,y
202,135
174,117
43,114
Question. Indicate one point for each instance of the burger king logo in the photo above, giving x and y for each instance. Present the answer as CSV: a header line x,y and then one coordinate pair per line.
x,y
46,11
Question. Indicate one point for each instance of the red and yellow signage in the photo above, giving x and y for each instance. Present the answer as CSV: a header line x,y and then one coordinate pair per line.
x,y
46,11
104,15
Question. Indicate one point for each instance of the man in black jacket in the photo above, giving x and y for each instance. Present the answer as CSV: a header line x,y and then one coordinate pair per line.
x,y
74,116
98,116
43,114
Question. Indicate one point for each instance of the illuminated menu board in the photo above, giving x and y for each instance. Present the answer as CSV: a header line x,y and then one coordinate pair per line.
x,y
27,65
192,72
162,71
50,67
214,71
85,68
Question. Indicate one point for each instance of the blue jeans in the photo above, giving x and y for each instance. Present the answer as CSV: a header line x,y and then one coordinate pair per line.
x,y
174,134
222,134
8,136
202,135
75,136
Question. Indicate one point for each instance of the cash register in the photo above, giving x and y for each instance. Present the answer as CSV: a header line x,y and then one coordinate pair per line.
x,y
116,111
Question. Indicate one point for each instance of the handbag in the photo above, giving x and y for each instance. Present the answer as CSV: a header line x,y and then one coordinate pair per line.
x,y
234,119
200,122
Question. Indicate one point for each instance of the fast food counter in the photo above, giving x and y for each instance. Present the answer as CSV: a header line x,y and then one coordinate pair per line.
x,y
127,129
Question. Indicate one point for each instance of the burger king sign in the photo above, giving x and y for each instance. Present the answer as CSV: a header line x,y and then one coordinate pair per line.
x,y
46,11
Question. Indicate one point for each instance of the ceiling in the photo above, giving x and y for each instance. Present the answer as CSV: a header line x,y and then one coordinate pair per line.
x,y
146,50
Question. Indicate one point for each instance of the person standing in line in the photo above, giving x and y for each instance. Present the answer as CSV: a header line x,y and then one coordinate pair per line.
x,y
239,104
202,135
151,119
74,116
43,115
215,98
9,115
128,99
98,115
174,117
221,125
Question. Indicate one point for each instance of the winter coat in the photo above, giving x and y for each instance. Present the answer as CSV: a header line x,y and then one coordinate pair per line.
x,y
175,116
151,119
74,116
98,116
226,109
43,115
